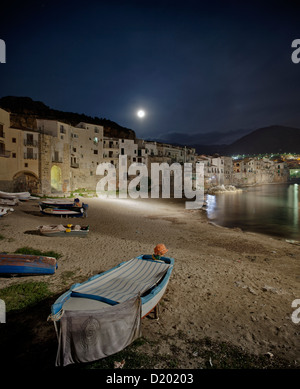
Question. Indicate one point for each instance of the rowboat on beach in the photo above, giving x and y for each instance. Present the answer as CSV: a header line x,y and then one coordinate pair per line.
x,y
64,230
9,201
66,208
27,264
102,315
18,195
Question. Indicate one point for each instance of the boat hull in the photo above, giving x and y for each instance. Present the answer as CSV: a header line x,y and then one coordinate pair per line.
x,y
149,299
27,264
68,232
103,315
61,208
19,195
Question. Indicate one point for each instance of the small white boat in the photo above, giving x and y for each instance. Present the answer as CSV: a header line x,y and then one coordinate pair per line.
x,y
9,201
18,195
102,315
64,230
5,210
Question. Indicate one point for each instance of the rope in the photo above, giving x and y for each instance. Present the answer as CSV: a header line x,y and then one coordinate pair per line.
x,y
55,317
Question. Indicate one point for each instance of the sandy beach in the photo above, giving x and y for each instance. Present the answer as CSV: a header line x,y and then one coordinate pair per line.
x,y
228,285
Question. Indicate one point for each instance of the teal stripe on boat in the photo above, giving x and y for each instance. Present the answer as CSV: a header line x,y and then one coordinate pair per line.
x,y
94,297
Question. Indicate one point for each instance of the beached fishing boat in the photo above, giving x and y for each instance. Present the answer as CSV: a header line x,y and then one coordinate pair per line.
x,y
9,201
64,230
27,264
66,208
102,315
19,195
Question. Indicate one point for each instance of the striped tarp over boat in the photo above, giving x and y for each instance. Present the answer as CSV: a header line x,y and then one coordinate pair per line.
x,y
124,282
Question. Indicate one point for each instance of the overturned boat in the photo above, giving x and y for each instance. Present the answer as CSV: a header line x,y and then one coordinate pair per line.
x,y
17,195
27,264
102,315
64,230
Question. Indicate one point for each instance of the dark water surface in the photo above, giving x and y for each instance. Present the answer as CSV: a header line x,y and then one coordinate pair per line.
x,y
269,209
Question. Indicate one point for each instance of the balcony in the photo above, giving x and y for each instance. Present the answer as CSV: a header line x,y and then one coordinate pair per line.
x,y
57,159
75,165
30,155
30,142
5,153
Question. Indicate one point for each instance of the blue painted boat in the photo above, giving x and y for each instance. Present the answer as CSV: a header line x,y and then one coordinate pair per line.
x,y
139,276
102,315
27,264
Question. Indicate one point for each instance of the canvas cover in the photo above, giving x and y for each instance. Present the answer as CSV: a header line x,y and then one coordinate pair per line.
x,y
124,282
88,335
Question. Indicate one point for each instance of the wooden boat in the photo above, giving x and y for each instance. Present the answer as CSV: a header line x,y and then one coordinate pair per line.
x,y
64,230
66,208
18,195
141,275
102,315
27,264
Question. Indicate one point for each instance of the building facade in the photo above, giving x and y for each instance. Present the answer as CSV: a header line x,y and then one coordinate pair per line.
x,y
57,158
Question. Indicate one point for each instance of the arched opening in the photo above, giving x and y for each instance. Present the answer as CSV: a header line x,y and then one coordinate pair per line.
x,y
26,182
56,184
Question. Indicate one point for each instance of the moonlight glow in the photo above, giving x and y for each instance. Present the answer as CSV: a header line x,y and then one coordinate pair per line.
x,y
141,113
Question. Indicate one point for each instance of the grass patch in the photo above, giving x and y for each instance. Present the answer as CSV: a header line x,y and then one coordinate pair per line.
x,y
21,296
31,251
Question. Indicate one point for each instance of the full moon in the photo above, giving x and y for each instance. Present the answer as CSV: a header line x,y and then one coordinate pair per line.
x,y
141,113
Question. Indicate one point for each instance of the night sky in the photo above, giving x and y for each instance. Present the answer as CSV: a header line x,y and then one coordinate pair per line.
x,y
203,71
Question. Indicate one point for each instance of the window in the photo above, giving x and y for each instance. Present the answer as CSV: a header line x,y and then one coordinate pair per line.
x,y
26,164
14,140
29,139
29,153
14,155
1,130
122,151
95,151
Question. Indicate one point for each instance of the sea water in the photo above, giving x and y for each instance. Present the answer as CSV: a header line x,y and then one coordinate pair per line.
x,y
272,209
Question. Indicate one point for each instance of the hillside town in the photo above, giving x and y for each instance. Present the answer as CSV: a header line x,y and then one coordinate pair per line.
x,y
56,158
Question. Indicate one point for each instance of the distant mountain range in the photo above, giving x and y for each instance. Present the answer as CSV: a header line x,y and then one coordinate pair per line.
x,y
273,139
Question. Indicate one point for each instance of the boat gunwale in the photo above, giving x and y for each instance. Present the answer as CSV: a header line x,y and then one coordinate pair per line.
x,y
58,304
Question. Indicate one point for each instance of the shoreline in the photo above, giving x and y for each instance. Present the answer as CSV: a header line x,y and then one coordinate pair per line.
x,y
227,284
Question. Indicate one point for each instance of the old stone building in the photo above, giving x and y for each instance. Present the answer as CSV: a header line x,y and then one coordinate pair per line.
x,y
19,156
